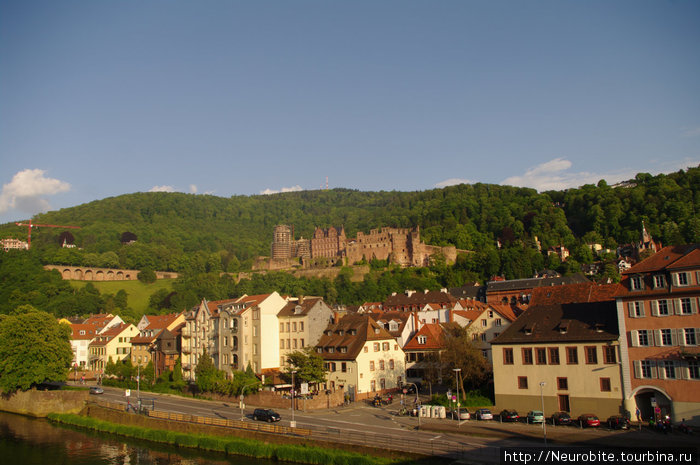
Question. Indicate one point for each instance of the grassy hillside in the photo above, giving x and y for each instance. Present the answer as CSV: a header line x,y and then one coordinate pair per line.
x,y
138,292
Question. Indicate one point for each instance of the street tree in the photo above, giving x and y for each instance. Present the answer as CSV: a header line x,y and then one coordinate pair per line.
x,y
34,348
209,378
460,353
308,366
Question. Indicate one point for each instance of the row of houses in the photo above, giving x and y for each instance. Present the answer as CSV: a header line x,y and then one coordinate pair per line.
x,y
576,346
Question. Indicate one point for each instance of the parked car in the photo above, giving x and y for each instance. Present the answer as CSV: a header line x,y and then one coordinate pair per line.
x,y
618,422
483,414
96,390
588,419
509,415
266,414
535,416
561,418
463,414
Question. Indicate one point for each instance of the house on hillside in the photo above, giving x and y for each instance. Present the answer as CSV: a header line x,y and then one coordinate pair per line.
x,y
423,363
150,328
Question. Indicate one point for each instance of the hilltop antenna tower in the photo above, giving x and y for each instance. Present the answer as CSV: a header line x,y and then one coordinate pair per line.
x,y
326,182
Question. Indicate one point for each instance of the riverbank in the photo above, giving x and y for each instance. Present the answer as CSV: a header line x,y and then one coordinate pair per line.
x,y
39,404
233,442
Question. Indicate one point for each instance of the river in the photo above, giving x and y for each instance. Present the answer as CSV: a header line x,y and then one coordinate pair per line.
x,y
30,441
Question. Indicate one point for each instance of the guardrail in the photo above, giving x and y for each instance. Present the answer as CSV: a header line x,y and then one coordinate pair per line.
x,y
415,445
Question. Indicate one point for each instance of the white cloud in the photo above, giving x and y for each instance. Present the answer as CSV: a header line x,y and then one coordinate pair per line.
x,y
555,175
193,188
269,191
453,182
26,191
162,189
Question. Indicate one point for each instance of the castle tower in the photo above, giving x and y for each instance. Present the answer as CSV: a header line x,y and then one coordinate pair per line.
x,y
282,242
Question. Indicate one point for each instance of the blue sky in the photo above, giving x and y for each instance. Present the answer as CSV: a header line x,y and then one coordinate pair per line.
x,y
99,99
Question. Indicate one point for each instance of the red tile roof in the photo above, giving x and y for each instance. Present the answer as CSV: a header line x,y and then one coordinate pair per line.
x,y
570,293
663,259
89,332
433,333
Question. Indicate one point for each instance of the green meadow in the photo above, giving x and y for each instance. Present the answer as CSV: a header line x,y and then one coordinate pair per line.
x,y
138,293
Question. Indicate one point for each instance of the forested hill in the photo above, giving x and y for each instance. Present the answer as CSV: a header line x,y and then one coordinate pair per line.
x,y
207,233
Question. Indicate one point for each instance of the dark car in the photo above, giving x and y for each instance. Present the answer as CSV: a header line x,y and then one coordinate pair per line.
x,y
561,418
618,422
588,419
509,415
266,414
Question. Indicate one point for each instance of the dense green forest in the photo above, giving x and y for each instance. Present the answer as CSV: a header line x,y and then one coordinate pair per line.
x,y
202,235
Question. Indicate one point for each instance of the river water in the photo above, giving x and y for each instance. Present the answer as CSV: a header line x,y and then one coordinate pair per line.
x,y
29,441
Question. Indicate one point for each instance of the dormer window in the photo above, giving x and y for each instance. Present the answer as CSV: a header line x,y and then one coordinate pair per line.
x,y
599,327
328,332
82,332
376,330
319,350
343,350
528,329
330,350
340,332
422,339
659,281
681,279
636,283
352,332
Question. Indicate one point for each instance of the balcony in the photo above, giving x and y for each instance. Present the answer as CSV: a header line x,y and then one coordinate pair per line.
x,y
186,350
186,332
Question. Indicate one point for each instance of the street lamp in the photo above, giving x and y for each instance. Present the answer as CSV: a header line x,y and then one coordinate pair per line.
x,y
457,372
293,423
544,421
242,396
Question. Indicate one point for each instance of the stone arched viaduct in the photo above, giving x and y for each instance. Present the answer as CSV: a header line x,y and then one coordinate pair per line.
x,y
87,273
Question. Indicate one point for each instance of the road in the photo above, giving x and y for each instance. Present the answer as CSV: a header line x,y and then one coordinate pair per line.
x,y
382,427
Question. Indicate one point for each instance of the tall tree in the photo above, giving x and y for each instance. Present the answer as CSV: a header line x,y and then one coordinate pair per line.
x,y
34,348
308,366
460,353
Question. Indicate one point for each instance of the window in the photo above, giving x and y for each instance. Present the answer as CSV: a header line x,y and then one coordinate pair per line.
x,y
694,369
690,337
225,341
281,327
288,327
666,338
571,356
294,343
609,355
659,281
381,364
382,383
376,347
289,343
591,355
483,323
527,356
301,326
365,349
643,337
385,346
490,313
522,382
636,283
635,309
563,384
475,337
669,368
483,337
541,354
605,385
343,367
554,355
682,279
294,326
507,356
255,349
371,365
686,306
498,322
646,366
659,307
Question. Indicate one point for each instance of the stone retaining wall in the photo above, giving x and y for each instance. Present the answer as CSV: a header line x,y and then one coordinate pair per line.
x,y
41,403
